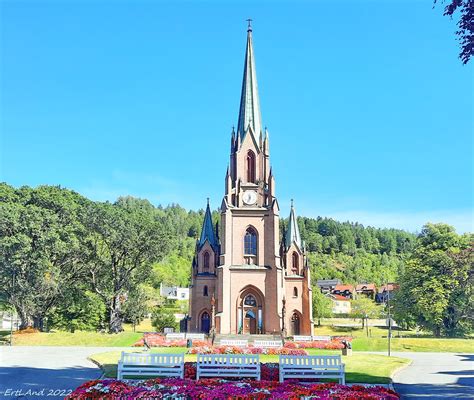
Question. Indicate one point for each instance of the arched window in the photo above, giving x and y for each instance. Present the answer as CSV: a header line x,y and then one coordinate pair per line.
x,y
295,292
206,262
251,166
250,301
205,291
250,242
295,263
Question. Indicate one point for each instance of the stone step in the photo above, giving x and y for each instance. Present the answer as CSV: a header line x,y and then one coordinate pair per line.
x,y
250,338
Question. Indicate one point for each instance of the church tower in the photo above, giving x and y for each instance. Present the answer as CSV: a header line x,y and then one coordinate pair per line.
x,y
250,282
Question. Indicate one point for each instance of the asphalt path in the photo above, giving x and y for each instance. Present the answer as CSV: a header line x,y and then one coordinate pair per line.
x,y
53,372
45,372
436,376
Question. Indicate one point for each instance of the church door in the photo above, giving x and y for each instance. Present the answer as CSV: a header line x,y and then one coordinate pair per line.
x,y
250,323
205,322
295,324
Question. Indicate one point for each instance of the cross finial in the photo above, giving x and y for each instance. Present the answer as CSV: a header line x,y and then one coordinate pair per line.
x,y
291,203
208,201
249,27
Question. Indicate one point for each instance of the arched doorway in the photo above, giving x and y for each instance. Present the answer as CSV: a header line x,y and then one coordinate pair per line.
x,y
250,311
295,324
205,322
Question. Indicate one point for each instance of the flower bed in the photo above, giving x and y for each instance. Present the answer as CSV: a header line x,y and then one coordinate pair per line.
x,y
220,389
268,371
247,350
159,340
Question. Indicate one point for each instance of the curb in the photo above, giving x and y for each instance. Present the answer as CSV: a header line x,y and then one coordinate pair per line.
x,y
390,385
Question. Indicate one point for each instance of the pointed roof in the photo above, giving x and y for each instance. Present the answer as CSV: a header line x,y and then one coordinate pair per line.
x,y
293,231
207,232
249,114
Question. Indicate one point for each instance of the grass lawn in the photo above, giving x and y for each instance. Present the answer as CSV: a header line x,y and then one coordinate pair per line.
x,y
401,340
80,338
77,338
360,367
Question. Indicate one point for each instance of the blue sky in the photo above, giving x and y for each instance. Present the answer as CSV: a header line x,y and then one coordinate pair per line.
x,y
368,107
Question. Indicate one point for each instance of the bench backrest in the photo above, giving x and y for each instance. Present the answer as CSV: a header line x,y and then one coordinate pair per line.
x,y
174,336
323,338
268,343
198,336
228,360
326,362
140,359
234,342
299,338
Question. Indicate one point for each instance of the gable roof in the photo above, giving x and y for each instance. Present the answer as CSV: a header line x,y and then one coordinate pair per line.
x,y
207,232
249,113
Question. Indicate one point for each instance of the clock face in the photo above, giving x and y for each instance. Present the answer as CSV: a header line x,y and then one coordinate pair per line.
x,y
249,197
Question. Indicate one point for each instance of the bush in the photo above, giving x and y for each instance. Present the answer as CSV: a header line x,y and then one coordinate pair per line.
x,y
162,318
83,311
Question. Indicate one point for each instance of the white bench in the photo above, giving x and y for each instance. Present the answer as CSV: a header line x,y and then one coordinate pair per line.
x,y
174,336
312,367
322,338
196,336
268,343
298,338
234,342
139,364
228,365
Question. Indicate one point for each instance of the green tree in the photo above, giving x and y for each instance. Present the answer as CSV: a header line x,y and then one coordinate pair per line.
x,y
437,286
126,240
364,307
163,318
136,307
465,32
322,305
41,248
79,310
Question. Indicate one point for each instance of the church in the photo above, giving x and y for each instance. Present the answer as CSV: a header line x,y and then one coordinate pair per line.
x,y
246,279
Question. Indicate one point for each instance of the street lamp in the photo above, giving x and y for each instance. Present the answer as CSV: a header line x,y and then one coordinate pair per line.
x,y
12,308
389,317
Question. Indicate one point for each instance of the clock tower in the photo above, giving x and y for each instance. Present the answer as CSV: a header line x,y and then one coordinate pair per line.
x,y
245,279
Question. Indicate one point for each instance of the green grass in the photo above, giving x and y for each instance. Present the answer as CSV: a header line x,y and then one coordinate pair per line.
x,y
77,338
401,340
360,367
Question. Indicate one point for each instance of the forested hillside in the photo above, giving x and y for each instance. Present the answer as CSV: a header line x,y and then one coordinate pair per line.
x,y
80,264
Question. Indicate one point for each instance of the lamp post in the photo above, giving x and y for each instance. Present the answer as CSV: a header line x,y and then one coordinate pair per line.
x,y
213,319
12,308
283,317
389,321
367,324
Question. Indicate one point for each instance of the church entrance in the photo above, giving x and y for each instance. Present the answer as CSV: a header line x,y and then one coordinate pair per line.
x,y
250,323
295,324
205,322
249,312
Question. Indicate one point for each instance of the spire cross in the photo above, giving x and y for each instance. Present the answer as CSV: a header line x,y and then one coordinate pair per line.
x,y
291,203
249,27
208,201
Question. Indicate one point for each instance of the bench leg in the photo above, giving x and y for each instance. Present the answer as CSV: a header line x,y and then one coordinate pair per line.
x,y
342,380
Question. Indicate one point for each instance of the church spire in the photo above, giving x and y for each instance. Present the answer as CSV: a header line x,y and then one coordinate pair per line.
x,y
207,232
249,114
293,231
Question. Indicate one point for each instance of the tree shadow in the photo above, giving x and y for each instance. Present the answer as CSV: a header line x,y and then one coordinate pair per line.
x,y
38,383
428,391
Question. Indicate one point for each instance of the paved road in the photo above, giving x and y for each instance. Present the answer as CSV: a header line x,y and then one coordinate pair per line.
x,y
45,372
436,376
51,372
